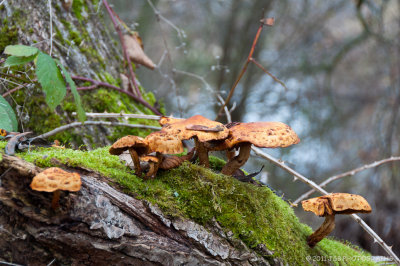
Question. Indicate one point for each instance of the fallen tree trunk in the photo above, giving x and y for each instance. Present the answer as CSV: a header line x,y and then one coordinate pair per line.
x,y
101,226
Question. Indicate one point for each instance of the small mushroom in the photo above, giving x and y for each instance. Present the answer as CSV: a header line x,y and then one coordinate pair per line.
x,y
162,143
136,146
260,134
154,163
54,180
328,206
184,130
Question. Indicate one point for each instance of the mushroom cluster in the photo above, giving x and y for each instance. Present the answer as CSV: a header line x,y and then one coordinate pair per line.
x,y
157,149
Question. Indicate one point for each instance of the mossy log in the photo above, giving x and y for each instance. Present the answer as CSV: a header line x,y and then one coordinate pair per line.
x,y
101,226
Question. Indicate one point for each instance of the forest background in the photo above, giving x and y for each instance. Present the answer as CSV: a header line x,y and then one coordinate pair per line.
x,y
340,62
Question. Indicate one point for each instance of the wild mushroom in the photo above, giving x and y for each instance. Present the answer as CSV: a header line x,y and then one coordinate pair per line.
x,y
260,134
54,180
328,206
136,146
153,162
201,130
162,143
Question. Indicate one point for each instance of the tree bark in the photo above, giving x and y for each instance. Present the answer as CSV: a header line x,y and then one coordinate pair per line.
x,y
101,226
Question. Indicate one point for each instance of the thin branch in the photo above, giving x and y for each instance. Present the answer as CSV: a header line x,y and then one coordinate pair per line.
x,y
324,192
15,89
268,73
244,68
117,115
208,87
348,173
124,50
51,27
91,123
107,85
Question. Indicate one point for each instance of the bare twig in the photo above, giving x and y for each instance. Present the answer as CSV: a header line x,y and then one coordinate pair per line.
x,y
4,262
116,115
324,192
268,73
244,68
107,85
348,173
208,87
125,53
51,27
14,89
91,123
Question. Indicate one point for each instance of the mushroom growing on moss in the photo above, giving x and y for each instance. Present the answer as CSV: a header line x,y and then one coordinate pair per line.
x,y
153,162
260,134
162,143
201,130
54,180
136,146
328,206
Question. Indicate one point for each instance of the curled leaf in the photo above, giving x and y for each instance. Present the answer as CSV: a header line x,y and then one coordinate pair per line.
x,y
135,51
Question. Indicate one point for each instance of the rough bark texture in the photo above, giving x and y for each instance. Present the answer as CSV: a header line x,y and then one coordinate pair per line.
x,y
101,226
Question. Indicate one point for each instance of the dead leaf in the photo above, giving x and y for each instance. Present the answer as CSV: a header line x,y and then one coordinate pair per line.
x,y
135,51
268,21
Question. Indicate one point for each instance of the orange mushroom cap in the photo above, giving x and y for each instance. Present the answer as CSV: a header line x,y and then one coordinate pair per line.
x,y
163,142
262,134
127,142
54,178
337,203
185,129
164,120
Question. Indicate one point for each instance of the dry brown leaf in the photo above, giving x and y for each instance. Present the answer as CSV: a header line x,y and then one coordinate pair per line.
x,y
136,53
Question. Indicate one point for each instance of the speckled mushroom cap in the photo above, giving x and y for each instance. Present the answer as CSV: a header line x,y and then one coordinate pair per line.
x,y
164,143
54,178
164,120
181,130
262,134
337,203
149,158
127,142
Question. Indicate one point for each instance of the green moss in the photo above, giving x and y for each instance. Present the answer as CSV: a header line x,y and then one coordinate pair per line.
x,y
76,37
77,6
8,36
254,214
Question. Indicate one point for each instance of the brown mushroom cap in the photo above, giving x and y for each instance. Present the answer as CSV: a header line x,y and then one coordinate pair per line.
x,y
54,178
180,129
164,120
149,158
337,203
163,142
262,134
127,142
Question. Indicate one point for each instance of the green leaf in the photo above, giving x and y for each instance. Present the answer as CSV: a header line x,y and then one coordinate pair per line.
x,y
8,120
49,76
18,60
77,98
20,50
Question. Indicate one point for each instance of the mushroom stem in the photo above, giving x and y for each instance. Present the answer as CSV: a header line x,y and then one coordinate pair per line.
x,y
136,161
55,200
203,153
236,162
230,154
325,229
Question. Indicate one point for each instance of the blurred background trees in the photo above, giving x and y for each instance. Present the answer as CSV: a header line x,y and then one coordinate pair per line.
x,y
340,61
